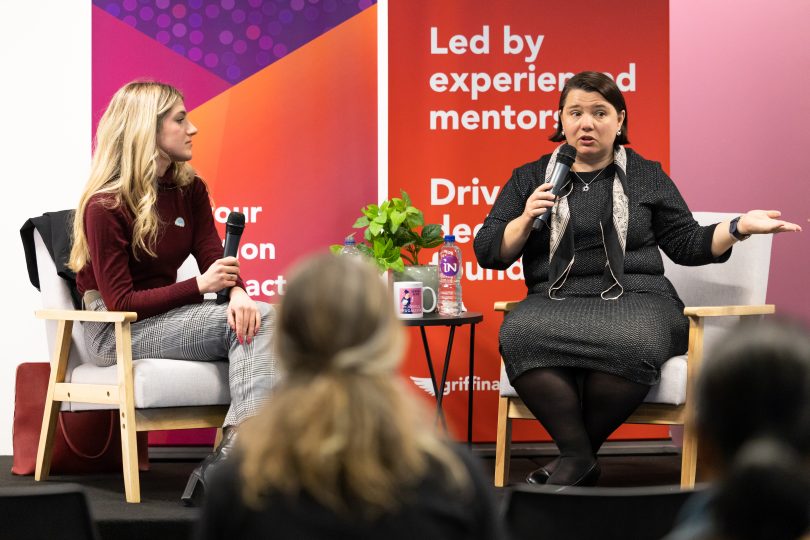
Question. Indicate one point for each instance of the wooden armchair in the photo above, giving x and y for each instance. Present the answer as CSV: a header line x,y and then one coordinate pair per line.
x,y
151,394
734,289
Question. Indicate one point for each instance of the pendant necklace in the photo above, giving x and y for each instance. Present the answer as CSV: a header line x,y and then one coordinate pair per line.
x,y
587,185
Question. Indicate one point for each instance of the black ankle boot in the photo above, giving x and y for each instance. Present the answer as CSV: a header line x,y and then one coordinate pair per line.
x,y
195,488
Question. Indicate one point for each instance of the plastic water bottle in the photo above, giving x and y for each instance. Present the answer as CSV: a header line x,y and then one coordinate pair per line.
x,y
450,277
349,248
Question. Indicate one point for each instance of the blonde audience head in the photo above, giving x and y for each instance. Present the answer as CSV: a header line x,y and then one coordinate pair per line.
x,y
342,427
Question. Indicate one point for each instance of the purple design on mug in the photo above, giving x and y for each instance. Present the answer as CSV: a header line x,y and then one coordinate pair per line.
x,y
410,301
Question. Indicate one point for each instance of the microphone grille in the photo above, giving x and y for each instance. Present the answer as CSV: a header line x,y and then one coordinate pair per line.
x,y
567,154
237,219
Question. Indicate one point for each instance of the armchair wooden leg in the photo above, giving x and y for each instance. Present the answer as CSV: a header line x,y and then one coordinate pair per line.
x,y
129,435
51,414
46,436
503,443
129,458
690,456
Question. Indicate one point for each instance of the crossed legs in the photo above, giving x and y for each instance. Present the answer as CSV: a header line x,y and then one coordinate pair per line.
x,y
578,421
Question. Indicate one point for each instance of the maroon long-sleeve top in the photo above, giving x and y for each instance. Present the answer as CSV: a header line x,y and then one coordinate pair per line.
x,y
148,286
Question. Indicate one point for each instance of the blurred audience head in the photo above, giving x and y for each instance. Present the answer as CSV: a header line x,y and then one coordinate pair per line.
x,y
337,317
342,427
754,412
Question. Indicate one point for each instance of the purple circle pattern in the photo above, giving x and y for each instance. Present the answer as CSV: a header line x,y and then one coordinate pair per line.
x,y
238,16
225,37
146,14
233,39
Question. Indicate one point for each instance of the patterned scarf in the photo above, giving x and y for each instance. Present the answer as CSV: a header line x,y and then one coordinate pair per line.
x,y
613,221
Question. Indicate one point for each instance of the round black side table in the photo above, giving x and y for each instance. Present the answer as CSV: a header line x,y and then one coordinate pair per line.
x,y
434,319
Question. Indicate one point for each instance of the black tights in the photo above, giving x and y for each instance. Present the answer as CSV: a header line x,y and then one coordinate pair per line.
x,y
579,422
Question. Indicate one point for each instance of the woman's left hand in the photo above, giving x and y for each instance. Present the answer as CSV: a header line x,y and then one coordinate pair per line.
x,y
764,222
243,315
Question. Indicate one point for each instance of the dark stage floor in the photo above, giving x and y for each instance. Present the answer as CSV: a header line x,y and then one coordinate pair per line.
x,y
160,514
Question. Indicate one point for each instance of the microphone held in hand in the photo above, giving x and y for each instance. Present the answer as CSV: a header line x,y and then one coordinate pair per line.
x,y
565,158
233,233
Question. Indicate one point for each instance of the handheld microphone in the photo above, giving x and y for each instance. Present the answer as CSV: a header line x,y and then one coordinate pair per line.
x,y
233,233
565,158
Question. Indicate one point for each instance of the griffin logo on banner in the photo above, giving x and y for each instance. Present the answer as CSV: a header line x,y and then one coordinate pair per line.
x,y
461,384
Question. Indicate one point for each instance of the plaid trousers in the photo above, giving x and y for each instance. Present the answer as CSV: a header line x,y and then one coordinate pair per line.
x,y
198,332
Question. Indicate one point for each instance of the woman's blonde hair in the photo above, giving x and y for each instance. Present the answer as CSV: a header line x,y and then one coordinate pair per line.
x,y
125,164
342,427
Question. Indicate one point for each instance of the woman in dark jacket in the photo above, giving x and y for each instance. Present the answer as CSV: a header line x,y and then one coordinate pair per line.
x,y
584,347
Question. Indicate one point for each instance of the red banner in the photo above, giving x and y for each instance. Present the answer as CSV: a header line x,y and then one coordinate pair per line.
x,y
473,93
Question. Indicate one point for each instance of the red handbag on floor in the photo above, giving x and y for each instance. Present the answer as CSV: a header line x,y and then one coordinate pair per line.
x,y
85,442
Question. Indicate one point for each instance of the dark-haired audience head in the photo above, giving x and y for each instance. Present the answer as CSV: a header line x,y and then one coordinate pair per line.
x,y
754,411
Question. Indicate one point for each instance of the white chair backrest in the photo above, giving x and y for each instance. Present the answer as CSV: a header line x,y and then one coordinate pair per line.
x,y
742,280
56,295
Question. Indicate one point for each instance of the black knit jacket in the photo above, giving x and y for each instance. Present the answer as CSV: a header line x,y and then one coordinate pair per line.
x,y
658,217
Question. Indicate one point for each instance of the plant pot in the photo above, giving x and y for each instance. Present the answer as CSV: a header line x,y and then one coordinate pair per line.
x,y
428,274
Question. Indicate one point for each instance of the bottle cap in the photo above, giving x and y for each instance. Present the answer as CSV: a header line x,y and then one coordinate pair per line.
x,y
449,237
349,241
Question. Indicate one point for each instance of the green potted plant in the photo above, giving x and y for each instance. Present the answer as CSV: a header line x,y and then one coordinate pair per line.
x,y
393,240
391,235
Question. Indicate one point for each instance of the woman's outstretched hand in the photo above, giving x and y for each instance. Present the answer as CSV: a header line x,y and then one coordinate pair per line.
x,y
765,222
243,315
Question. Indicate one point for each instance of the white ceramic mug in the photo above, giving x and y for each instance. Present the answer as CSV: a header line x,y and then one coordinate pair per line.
x,y
408,299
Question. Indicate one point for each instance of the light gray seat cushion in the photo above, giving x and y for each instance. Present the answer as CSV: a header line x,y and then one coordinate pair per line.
x,y
163,383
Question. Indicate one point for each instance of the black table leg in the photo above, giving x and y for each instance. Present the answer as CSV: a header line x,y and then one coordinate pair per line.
x,y
429,362
439,397
470,380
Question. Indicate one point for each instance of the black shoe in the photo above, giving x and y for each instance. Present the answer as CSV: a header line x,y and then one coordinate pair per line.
x,y
588,478
194,493
540,476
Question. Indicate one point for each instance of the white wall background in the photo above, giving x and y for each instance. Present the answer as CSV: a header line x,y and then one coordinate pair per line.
x,y
45,156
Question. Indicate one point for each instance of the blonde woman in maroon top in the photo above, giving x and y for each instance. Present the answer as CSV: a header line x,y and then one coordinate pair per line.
x,y
142,213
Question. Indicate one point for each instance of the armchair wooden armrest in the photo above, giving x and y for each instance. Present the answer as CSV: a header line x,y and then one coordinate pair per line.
x,y
726,311
508,305
691,311
87,316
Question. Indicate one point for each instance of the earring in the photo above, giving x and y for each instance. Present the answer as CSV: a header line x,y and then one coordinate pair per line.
x,y
618,133
562,132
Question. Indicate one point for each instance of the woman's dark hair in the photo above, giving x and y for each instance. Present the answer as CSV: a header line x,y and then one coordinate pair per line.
x,y
593,81
754,408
